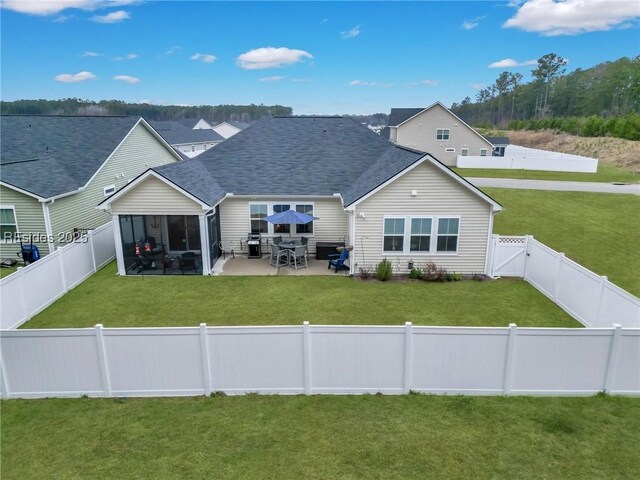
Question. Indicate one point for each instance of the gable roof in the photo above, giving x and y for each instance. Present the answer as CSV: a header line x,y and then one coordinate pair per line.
x,y
498,140
302,156
401,115
176,133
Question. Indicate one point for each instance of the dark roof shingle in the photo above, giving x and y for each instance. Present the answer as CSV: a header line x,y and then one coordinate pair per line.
x,y
176,133
399,115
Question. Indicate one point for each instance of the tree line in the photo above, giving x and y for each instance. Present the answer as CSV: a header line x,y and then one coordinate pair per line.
x,y
604,99
76,106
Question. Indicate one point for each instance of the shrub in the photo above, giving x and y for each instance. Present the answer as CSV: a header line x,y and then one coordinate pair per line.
x,y
416,273
365,273
433,273
384,270
479,277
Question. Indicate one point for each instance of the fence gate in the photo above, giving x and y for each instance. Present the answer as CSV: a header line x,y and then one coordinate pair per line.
x,y
508,257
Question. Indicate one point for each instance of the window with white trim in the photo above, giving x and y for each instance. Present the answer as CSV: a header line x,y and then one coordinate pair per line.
x,y
257,211
8,223
393,235
109,190
308,210
483,152
415,235
464,152
448,229
443,134
281,227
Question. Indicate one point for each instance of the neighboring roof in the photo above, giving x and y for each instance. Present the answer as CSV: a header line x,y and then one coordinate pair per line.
x,y
385,133
240,125
401,115
498,140
50,155
292,156
176,133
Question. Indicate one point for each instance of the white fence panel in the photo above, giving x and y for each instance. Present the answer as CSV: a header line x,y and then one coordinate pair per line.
x,y
558,361
508,256
77,262
459,360
154,361
543,265
625,378
618,306
524,158
51,363
357,359
256,359
578,291
33,288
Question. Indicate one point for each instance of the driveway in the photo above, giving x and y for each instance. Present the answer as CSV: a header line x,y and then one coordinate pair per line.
x,y
632,189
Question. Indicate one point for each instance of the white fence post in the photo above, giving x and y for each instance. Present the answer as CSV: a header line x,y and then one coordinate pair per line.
x,y
93,253
508,364
204,352
4,389
603,286
612,361
62,274
556,279
408,356
527,244
306,357
23,300
102,359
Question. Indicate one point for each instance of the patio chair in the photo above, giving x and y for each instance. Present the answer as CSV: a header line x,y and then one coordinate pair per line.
x,y
305,242
337,260
188,261
297,256
277,240
279,257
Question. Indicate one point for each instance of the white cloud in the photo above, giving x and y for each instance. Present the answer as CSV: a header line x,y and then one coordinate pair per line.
x,y
88,53
75,77
473,23
204,57
271,57
127,79
302,80
354,32
511,63
172,50
62,18
362,83
572,17
113,17
275,78
477,86
52,7
324,20
427,83
128,56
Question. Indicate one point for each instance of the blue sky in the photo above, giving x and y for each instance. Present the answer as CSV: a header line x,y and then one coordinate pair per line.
x,y
318,57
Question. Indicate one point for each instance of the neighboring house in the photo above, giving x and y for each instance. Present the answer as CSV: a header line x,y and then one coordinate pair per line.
x,y
229,129
385,200
436,130
190,142
55,170
499,145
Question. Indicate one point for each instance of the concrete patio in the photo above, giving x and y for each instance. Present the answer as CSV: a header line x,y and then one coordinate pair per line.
x,y
241,265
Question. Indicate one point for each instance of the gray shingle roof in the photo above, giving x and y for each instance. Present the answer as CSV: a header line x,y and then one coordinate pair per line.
x,y
50,155
399,115
176,133
498,140
293,156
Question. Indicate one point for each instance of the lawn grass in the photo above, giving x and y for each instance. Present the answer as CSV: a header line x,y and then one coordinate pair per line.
x,y
370,436
598,230
605,174
6,271
156,301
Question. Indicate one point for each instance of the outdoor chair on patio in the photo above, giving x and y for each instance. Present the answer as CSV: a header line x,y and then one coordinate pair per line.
x,y
277,240
297,256
337,260
305,243
188,261
279,257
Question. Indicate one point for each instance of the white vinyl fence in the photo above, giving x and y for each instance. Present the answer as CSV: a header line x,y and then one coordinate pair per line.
x,y
523,158
33,288
589,298
139,362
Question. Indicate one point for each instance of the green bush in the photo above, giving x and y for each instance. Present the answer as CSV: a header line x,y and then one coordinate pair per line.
x,y
416,274
384,271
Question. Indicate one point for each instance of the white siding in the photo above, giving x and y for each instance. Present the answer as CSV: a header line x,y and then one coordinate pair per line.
x,y
437,195
194,149
420,133
154,197
140,151
331,226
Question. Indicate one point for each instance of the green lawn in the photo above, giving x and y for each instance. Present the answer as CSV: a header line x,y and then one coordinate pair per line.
x,y
598,230
606,174
4,272
178,301
280,437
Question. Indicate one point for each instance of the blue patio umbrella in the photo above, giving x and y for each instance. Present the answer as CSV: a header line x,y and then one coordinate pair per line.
x,y
290,216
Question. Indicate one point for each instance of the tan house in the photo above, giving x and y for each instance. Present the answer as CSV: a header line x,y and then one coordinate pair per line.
x,y
436,130
55,170
384,200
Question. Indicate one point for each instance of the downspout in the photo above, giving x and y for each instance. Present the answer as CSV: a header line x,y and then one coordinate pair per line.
x,y
47,224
